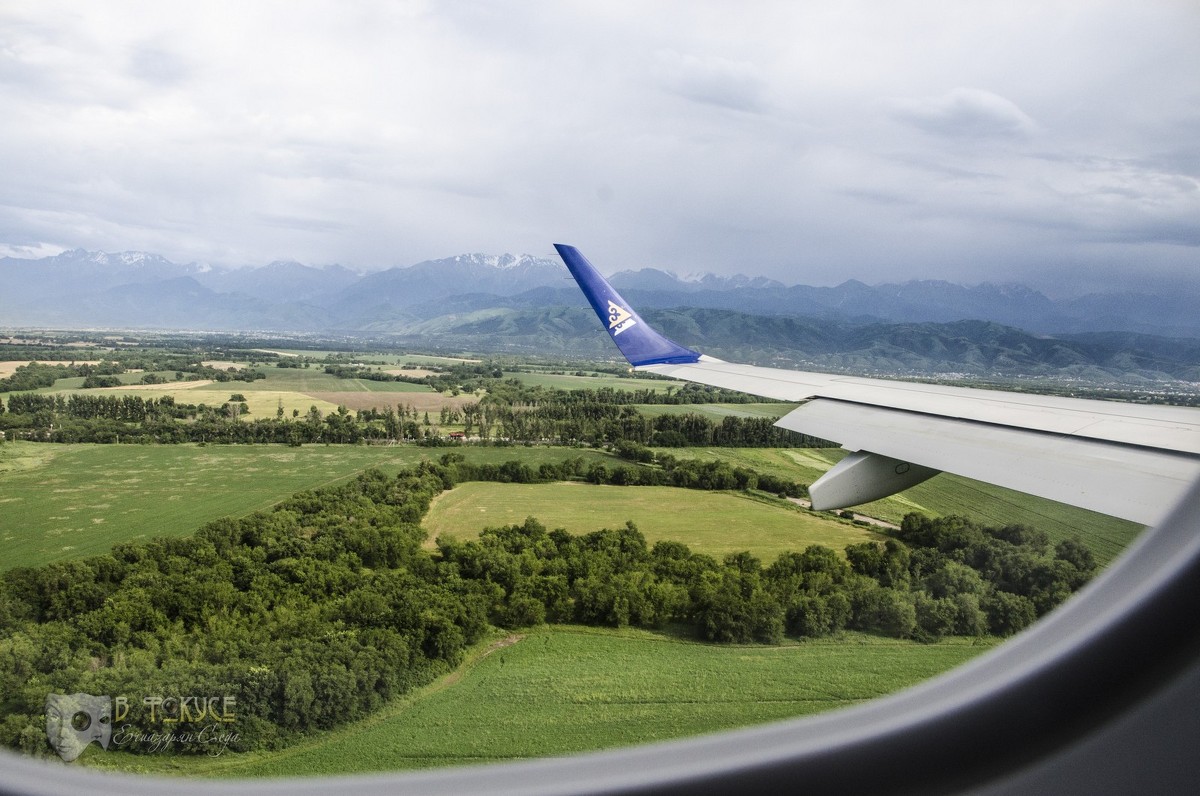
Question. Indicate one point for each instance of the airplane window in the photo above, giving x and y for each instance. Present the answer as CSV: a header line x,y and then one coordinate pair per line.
x,y
827,473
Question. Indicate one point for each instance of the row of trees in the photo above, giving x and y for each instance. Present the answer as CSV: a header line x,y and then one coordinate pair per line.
x,y
576,419
683,473
37,375
315,613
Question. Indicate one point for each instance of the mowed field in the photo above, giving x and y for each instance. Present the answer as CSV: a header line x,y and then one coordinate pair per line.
x,y
560,690
64,501
716,523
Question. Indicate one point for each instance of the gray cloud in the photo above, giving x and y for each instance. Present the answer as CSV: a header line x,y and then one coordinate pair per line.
x,y
157,66
966,113
710,79
807,142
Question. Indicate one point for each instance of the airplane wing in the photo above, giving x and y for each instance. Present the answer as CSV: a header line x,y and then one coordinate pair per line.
x,y
1133,461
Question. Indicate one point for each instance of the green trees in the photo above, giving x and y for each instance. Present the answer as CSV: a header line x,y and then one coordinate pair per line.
x,y
310,615
314,613
1001,579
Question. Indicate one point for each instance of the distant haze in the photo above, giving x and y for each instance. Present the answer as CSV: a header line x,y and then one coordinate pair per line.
x,y
1055,144
79,288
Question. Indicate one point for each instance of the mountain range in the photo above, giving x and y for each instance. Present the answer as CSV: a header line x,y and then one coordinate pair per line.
x,y
516,300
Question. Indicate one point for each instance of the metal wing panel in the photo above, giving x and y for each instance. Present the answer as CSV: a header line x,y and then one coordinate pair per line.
x,y
1133,483
1172,428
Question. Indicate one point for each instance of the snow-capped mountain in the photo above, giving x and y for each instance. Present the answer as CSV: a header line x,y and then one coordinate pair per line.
x,y
141,289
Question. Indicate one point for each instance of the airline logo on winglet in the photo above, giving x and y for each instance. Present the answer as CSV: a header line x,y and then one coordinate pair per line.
x,y
619,319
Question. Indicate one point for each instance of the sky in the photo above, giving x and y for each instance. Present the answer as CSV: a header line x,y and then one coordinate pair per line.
x,y
1054,143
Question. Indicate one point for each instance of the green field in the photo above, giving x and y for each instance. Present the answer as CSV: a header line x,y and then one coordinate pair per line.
x,y
375,356
942,495
554,691
317,380
715,523
63,501
562,690
594,382
718,411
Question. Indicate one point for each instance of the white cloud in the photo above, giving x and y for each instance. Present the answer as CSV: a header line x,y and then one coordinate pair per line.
x,y
766,138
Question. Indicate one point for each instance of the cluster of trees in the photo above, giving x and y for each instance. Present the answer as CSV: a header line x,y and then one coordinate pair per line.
x,y
36,375
614,578
317,612
228,374
309,616
685,473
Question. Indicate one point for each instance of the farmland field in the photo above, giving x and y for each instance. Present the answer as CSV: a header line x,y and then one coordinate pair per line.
x,y
9,366
559,690
63,501
715,523
594,382
295,389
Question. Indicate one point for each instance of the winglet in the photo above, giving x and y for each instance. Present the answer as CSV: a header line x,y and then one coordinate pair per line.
x,y
638,342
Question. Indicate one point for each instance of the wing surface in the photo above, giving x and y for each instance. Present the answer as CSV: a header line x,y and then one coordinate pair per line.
x,y
1128,460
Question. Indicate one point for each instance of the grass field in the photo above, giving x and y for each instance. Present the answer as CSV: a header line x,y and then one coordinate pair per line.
x,y
395,359
715,523
942,495
555,691
64,501
718,411
594,382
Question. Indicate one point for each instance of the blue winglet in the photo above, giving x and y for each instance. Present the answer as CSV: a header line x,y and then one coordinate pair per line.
x,y
638,342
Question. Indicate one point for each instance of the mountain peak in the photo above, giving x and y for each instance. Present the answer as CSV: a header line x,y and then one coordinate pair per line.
x,y
128,259
62,287
502,262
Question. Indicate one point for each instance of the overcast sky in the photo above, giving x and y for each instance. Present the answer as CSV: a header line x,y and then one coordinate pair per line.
x,y
1054,143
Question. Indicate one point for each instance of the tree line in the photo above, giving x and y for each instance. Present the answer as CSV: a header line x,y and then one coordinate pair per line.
x,y
562,418
317,612
37,375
